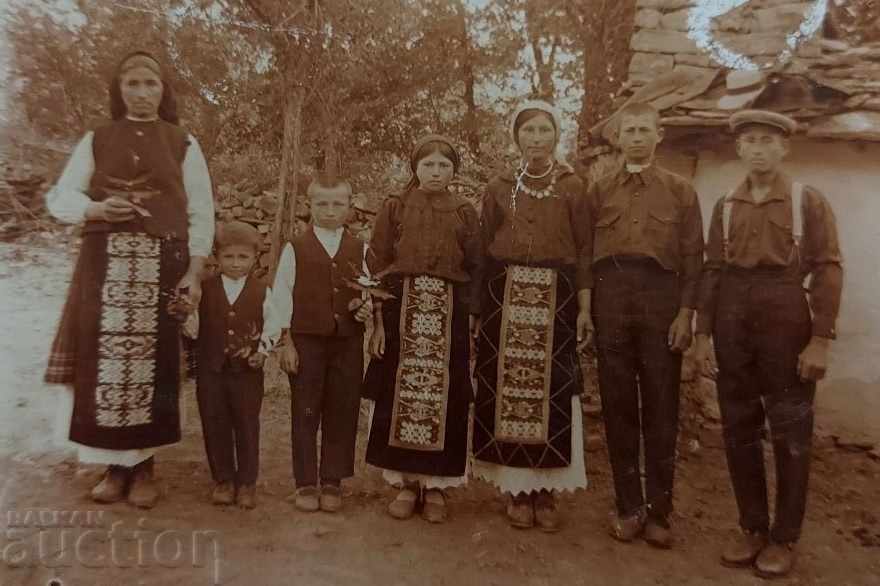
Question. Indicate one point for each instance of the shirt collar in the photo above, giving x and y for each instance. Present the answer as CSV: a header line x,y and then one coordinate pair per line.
x,y
779,189
230,282
327,232
646,174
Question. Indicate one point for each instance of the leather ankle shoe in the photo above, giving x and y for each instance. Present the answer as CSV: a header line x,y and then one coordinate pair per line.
x,y
223,494
743,549
626,529
547,512
247,496
775,561
143,492
520,512
112,487
658,534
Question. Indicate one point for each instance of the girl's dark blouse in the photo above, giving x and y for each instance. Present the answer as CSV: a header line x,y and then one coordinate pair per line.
x,y
422,233
545,232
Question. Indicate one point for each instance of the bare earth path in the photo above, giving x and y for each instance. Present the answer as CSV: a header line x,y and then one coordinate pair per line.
x,y
185,541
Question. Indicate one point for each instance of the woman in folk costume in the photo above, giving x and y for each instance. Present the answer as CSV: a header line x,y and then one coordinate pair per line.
x,y
527,420
426,243
141,187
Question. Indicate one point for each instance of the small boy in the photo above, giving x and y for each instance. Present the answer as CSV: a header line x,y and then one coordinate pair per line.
x,y
236,326
323,349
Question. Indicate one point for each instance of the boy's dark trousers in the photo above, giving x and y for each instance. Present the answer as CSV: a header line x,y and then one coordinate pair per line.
x,y
634,304
325,393
229,404
762,324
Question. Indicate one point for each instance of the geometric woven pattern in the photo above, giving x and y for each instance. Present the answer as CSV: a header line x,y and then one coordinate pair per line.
x,y
418,416
522,405
127,336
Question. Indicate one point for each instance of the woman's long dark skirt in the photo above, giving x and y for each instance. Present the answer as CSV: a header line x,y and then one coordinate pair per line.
x,y
116,343
379,385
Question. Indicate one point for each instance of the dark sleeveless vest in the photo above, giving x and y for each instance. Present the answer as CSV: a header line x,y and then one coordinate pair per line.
x,y
142,157
320,293
224,328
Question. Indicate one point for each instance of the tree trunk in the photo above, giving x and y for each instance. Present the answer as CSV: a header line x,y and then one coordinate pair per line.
x,y
291,154
608,26
472,132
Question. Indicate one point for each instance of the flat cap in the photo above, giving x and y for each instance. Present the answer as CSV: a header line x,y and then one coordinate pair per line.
x,y
765,117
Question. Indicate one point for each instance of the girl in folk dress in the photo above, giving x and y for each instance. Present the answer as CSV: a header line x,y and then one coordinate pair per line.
x,y
426,243
527,421
141,186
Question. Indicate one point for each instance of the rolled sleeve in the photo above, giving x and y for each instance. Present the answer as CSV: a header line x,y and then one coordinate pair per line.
x,y
824,262
68,201
200,200
691,246
282,288
585,217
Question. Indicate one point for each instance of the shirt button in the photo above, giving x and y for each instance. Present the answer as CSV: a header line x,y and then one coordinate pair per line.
x,y
333,264
231,314
336,316
636,221
231,332
755,231
636,194
336,289
139,132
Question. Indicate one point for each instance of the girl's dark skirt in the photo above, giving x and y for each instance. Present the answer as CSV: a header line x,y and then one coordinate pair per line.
x,y
116,343
438,448
525,420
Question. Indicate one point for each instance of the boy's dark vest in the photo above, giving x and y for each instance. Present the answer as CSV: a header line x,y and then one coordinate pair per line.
x,y
142,157
320,293
225,329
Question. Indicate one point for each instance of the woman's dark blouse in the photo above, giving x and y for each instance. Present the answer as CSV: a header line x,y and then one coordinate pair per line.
x,y
544,232
422,233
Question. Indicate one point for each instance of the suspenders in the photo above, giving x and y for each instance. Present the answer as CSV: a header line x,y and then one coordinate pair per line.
x,y
797,218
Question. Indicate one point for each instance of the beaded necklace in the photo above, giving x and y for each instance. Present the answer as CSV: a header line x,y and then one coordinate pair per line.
x,y
536,193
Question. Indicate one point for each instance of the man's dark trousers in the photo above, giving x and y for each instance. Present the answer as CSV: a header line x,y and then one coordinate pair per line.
x,y
762,324
634,304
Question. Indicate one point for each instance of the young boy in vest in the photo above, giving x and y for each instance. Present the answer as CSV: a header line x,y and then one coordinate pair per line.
x,y
771,340
236,327
323,349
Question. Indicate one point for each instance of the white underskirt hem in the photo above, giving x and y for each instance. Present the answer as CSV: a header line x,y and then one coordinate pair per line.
x,y
89,454
513,480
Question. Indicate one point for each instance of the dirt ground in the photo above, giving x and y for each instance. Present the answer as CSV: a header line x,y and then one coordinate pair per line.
x,y
186,541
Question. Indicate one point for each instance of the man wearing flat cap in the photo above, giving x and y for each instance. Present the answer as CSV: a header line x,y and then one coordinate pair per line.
x,y
766,237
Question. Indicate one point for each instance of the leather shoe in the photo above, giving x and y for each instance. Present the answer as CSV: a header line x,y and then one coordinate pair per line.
x,y
658,533
626,529
112,487
143,492
743,549
247,496
403,506
775,561
547,512
223,494
331,498
520,511
434,506
306,499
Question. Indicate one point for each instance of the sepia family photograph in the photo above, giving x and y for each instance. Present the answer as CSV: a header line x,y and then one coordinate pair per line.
x,y
439,292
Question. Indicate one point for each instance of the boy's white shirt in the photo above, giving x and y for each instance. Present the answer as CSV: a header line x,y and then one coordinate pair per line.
x,y
272,325
285,276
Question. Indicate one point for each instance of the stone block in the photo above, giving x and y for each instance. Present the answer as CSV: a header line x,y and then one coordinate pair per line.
x,y
652,63
662,41
665,5
647,18
785,17
676,21
695,60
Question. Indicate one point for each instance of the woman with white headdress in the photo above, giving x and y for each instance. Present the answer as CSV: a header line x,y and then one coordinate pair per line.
x,y
528,438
